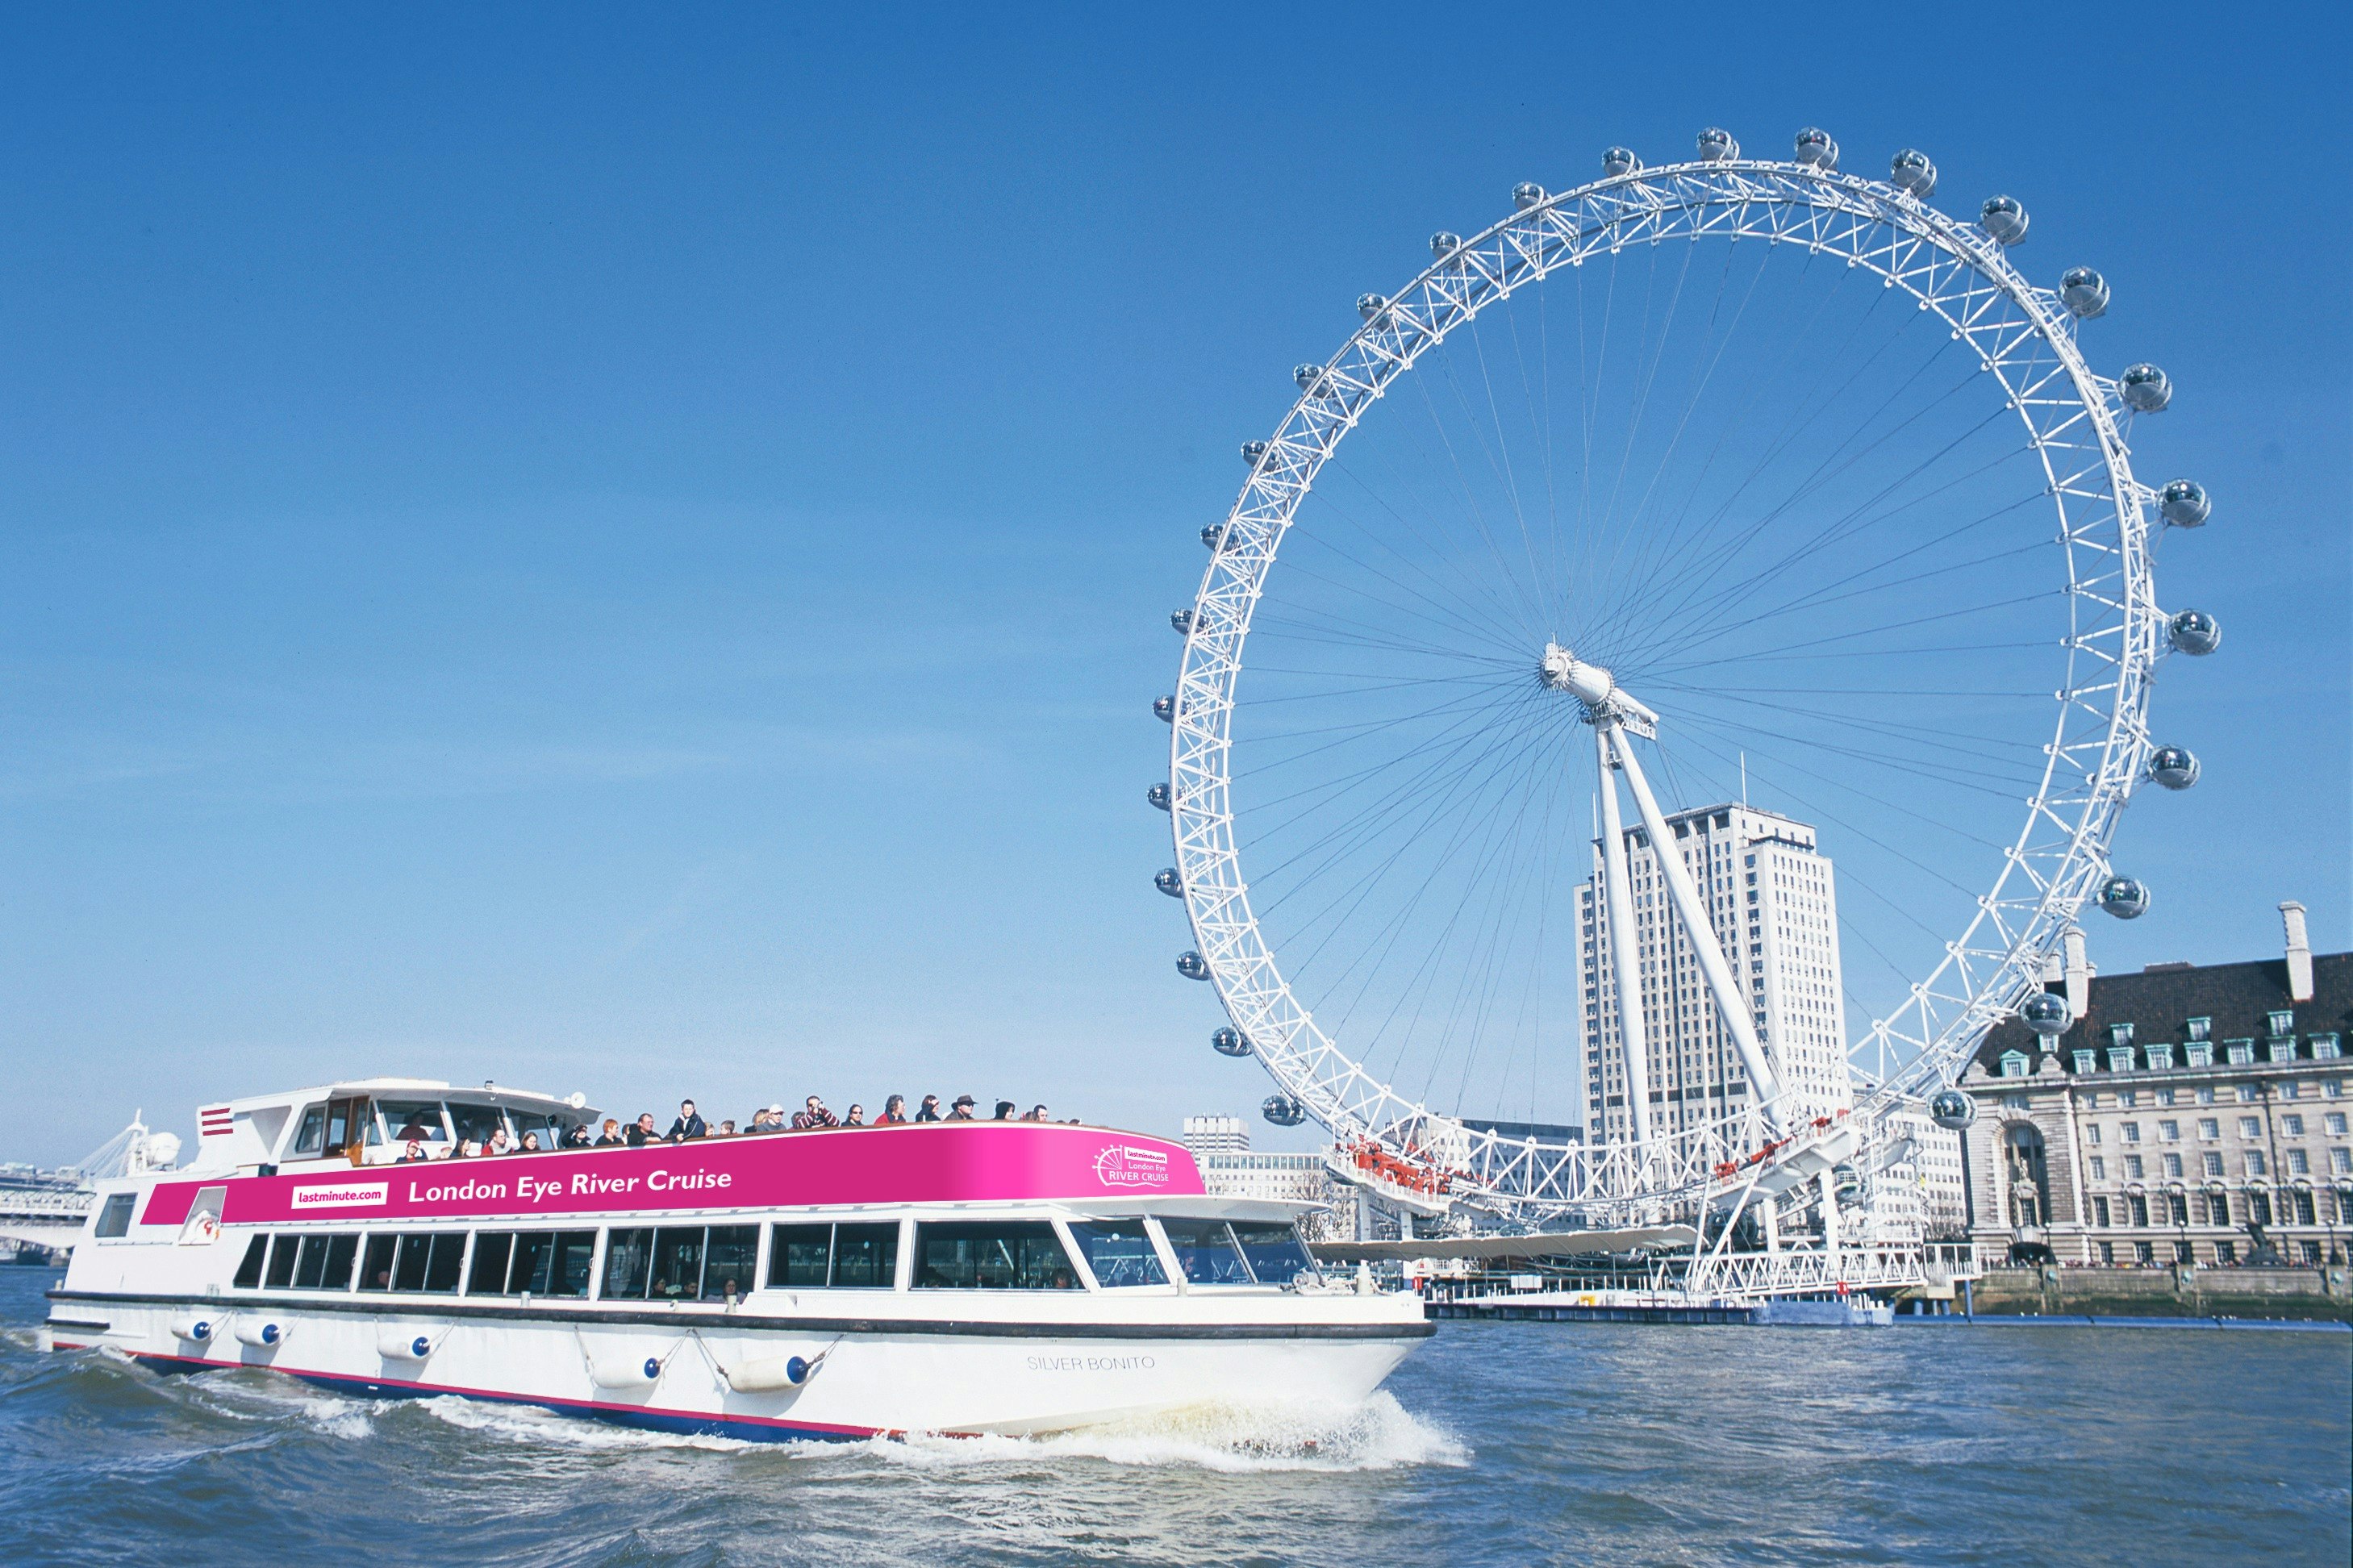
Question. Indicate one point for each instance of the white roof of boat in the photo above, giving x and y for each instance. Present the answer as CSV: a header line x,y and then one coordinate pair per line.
x,y
421,1087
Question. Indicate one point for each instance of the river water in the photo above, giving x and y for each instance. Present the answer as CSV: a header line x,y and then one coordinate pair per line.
x,y
1493,1443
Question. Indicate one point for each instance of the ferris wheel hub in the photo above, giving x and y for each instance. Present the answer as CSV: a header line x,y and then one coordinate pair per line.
x,y
1605,701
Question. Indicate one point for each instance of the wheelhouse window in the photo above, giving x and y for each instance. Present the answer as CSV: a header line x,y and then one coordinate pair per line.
x,y
114,1219
681,1263
1206,1251
991,1255
833,1257
477,1123
426,1261
1119,1252
1274,1253
249,1272
311,1136
413,1119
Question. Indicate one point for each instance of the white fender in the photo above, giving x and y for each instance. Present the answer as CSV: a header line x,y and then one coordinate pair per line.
x,y
406,1341
625,1371
198,1331
770,1373
262,1333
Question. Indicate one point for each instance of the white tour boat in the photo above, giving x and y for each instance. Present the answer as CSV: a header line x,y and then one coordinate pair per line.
x,y
949,1276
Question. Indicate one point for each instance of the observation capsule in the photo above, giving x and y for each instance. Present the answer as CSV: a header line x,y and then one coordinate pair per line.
x,y
1527,193
2004,218
2175,767
2084,292
1254,452
1370,305
1160,796
1283,1110
2144,388
1307,375
1952,1110
2046,1012
1715,144
2194,632
1165,710
1616,161
1444,244
2123,897
1229,1042
1192,965
1815,147
1183,621
1214,535
1168,881
2184,504
1911,173
1847,1183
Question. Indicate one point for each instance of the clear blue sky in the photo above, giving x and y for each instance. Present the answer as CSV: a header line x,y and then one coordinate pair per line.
x,y
629,551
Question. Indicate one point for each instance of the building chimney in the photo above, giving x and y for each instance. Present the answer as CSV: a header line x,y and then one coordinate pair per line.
x,y
2079,975
2299,953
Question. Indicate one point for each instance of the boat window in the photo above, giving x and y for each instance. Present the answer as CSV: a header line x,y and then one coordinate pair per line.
x,y
488,1277
866,1257
314,1131
281,1260
843,1257
551,1129
375,1267
800,1256
1274,1253
114,1219
248,1273
678,1263
548,1262
992,1255
325,1263
731,1261
429,1261
627,1257
349,1121
1120,1252
1206,1251
475,1123
407,1119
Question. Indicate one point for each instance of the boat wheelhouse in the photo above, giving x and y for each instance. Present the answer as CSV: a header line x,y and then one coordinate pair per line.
x,y
953,1277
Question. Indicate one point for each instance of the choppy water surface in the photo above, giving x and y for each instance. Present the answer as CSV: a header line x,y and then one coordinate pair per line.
x,y
1523,1442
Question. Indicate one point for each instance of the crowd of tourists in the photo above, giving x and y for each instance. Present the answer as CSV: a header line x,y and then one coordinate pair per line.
x,y
417,1139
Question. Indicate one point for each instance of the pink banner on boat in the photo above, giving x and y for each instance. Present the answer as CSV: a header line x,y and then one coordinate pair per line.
x,y
976,1163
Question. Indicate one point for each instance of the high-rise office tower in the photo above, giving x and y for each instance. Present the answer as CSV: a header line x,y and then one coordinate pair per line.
x,y
1772,899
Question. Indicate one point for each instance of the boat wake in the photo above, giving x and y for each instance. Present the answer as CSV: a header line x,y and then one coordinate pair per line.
x,y
1377,1435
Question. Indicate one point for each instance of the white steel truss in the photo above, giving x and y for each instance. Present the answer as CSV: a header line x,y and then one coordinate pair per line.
x,y
2075,422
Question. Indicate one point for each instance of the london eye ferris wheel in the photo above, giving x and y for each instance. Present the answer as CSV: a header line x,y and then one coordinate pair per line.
x,y
1727,481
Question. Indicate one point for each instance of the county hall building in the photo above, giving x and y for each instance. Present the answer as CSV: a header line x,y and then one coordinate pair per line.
x,y
2189,1114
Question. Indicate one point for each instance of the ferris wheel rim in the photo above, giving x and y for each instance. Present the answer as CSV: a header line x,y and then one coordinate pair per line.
x,y
1978,982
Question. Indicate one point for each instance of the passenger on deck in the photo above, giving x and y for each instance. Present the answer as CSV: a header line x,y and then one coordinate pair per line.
x,y
498,1143
856,1118
931,1108
611,1137
768,1119
576,1136
1037,1114
642,1130
962,1110
813,1115
1004,1109
894,1112
726,1129
690,1124
530,1143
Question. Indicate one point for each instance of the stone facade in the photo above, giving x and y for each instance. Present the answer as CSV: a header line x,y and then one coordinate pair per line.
x,y
2190,1115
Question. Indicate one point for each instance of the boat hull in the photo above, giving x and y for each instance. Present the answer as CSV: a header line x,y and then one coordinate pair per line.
x,y
956,1378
